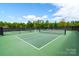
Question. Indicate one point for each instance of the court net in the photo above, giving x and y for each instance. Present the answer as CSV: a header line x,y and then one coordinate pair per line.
x,y
54,31
24,30
13,31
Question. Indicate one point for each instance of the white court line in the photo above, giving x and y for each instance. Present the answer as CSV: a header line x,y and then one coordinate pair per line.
x,y
50,42
27,43
42,46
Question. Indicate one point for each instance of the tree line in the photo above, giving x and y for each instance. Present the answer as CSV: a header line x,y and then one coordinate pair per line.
x,y
39,24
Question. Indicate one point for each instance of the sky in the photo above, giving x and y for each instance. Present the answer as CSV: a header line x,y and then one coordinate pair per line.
x,y
22,12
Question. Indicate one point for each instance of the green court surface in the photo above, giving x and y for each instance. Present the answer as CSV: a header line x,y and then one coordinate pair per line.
x,y
38,44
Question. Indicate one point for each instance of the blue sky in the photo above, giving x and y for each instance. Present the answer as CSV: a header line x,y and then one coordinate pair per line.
x,y
22,12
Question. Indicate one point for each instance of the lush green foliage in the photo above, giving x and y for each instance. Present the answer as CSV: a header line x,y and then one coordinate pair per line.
x,y
39,24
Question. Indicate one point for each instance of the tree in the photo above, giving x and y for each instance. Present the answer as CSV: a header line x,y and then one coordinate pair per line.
x,y
55,25
62,23
46,25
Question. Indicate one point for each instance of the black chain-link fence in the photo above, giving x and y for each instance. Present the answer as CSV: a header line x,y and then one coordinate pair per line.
x,y
74,28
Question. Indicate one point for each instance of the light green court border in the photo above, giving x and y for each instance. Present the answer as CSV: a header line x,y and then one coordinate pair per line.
x,y
36,47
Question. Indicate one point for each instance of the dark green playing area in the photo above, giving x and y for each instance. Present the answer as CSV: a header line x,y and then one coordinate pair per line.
x,y
38,39
36,43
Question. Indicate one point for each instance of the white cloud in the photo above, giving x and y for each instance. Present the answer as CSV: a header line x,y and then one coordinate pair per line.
x,y
44,17
57,19
69,10
12,17
29,16
35,18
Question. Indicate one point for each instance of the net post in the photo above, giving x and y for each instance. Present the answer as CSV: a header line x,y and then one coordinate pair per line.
x,y
1,31
65,31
